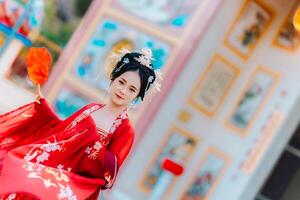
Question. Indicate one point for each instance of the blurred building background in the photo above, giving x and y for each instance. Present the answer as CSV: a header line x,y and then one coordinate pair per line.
x,y
235,132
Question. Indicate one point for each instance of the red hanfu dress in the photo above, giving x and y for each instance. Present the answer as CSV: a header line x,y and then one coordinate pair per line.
x,y
44,157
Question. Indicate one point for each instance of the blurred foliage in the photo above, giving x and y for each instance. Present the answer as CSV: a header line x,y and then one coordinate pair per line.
x,y
61,18
57,29
81,7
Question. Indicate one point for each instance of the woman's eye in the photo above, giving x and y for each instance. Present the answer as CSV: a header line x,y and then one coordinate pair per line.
x,y
121,82
132,90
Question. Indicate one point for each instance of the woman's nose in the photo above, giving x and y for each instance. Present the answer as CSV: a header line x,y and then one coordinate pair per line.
x,y
123,90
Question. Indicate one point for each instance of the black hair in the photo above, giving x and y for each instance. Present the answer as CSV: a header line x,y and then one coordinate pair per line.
x,y
190,141
129,63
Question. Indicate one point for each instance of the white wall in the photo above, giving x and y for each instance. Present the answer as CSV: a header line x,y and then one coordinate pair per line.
x,y
212,132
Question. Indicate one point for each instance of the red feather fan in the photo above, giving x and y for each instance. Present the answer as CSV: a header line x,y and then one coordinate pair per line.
x,y
38,62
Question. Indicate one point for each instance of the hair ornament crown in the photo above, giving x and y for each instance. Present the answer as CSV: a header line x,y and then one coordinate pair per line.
x,y
146,57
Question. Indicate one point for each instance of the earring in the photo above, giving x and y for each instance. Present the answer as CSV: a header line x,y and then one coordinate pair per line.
x,y
134,103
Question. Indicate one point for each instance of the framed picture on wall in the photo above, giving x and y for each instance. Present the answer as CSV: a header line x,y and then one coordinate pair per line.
x,y
94,65
212,168
257,92
248,28
213,85
177,146
172,15
287,37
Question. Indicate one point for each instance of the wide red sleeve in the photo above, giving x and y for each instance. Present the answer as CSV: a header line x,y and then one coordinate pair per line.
x,y
121,142
117,151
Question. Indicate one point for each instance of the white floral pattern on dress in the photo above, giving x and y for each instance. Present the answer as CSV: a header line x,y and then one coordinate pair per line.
x,y
97,146
66,192
83,115
60,167
88,150
110,180
93,152
51,178
42,151
41,172
11,196
41,158
118,121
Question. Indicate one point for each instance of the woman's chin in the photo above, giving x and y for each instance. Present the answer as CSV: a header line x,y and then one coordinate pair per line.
x,y
119,102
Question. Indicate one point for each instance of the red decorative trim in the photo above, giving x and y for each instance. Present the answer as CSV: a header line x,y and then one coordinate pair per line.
x,y
173,167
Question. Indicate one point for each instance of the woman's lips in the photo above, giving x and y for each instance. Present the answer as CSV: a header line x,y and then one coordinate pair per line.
x,y
119,96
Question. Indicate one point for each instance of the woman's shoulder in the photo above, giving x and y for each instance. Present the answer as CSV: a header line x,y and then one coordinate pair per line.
x,y
126,126
127,122
90,108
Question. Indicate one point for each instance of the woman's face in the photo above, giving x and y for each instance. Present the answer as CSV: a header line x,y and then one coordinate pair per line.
x,y
125,88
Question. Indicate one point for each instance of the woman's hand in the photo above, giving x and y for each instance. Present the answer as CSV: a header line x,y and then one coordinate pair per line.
x,y
39,94
38,98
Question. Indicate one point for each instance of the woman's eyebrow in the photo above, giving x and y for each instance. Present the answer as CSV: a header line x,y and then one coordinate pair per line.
x,y
133,87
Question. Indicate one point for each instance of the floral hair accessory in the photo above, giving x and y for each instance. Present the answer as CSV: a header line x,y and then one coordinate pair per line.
x,y
117,57
146,60
146,57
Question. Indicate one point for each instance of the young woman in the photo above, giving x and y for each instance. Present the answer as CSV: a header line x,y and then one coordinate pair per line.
x,y
43,157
